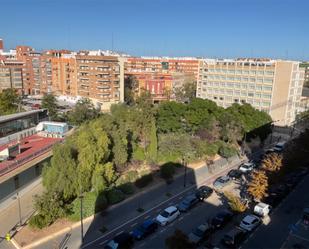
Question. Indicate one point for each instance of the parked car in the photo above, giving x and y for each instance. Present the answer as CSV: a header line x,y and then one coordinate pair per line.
x,y
221,182
199,233
121,241
203,192
279,147
305,217
234,237
262,209
187,203
221,219
246,167
148,227
273,199
235,174
250,222
168,215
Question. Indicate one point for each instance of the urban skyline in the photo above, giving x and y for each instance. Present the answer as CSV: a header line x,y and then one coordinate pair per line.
x,y
214,30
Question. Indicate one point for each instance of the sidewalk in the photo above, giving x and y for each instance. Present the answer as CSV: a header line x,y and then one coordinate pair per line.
x,y
9,208
124,211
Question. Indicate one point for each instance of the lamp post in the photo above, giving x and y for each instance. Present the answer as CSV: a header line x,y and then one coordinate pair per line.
x,y
81,218
19,207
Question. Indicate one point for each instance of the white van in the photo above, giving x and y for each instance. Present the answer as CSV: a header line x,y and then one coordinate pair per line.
x,y
262,209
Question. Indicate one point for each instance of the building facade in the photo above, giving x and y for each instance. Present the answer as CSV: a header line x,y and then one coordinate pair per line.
x,y
272,86
100,78
11,75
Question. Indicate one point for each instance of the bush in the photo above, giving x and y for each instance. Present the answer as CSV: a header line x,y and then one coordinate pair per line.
x,y
138,154
227,151
92,204
126,188
235,202
144,181
114,196
167,170
39,221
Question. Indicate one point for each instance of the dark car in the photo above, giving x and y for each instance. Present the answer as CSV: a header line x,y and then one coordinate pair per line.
x,y
221,219
273,199
221,182
234,237
148,227
121,241
187,203
234,174
203,192
200,233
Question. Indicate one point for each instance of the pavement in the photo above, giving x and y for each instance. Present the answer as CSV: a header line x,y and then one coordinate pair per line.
x,y
125,216
9,209
284,224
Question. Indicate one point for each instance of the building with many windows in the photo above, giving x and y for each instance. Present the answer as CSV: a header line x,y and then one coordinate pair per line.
x,y
100,78
273,86
11,75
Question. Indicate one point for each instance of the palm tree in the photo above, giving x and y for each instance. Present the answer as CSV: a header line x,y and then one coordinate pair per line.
x,y
257,187
272,162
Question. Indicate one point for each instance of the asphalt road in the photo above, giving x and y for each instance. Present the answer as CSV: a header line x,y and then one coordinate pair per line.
x,y
283,217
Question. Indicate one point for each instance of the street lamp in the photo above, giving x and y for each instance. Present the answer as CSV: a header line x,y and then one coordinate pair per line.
x,y
19,207
81,218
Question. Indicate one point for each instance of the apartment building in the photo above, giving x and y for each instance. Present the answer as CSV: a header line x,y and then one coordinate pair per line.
x,y
63,72
31,70
305,65
100,78
273,86
160,75
11,75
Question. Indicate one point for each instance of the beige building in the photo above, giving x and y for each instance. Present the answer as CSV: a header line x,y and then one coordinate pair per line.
x,y
273,86
11,75
100,78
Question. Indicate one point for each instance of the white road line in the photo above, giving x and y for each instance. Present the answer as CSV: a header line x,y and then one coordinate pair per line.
x,y
120,232
134,224
166,201
162,230
181,218
141,245
102,243
147,217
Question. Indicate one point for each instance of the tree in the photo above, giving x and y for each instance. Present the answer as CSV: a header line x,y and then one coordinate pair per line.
x,y
60,176
235,202
130,89
167,170
49,102
83,111
231,128
272,162
258,185
186,92
178,240
153,145
103,177
9,101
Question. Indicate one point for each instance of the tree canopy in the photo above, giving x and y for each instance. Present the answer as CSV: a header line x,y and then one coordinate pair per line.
x,y
9,101
49,102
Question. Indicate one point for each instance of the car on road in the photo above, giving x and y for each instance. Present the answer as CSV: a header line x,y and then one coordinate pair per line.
x,y
221,219
203,192
221,182
200,233
234,237
148,227
279,147
168,215
250,222
273,199
121,241
187,203
262,209
246,167
234,174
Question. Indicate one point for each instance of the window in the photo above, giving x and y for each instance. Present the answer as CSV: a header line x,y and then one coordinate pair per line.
x,y
237,85
244,94
266,80
245,72
243,86
259,72
259,80
258,87
245,79
257,95
266,96
253,72
250,94
269,73
238,71
251,86
267,88
252,79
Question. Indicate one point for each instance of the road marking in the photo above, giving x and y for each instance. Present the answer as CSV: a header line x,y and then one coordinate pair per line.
x,y
180,197
162,230
141,245
102,243
153,237
134,224
300,237
181,218
212,177
119,233
147,217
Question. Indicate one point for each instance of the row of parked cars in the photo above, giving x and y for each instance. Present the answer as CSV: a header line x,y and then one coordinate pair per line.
x,y
168,215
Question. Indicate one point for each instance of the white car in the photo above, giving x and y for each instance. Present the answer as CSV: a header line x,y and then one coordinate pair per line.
x,y
246,167
250,222
168,215
262,209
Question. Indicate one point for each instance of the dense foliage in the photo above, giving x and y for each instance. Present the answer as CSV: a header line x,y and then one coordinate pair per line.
x,y
98,157
49,102
9,101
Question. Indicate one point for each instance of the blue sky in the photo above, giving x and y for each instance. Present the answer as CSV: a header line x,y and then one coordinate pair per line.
x,y
217,28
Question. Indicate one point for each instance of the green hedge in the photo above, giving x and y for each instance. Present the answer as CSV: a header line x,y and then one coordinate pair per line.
x,y
144,181
167,170
227,151
126,188
114,196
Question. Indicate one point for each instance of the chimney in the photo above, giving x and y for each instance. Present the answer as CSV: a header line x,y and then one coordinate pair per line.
x,y
1,44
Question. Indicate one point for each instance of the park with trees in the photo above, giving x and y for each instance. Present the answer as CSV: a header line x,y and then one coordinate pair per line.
x,y
110,155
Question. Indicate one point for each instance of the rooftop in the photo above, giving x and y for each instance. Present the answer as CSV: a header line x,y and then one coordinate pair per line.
x,y
18,115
